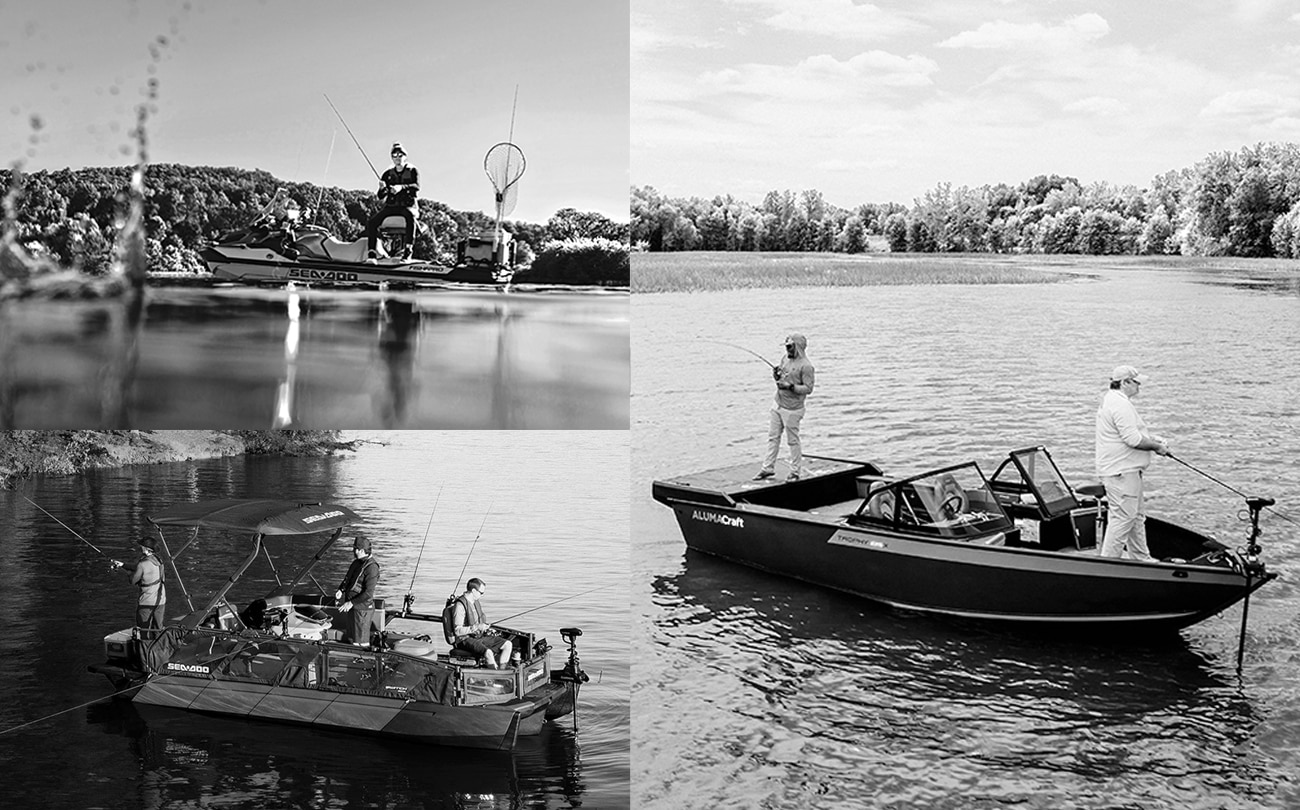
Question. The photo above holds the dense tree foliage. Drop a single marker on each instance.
(72, 215)
(1242, 204)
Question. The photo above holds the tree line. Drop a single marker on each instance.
(72, 216)
(1229, 204)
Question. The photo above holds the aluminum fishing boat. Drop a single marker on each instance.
(1019, 547)
(289, 665)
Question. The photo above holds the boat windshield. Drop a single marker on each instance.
(954, 501)
(1030, 479)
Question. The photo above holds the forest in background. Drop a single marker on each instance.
(71, 216)
(1229, 204)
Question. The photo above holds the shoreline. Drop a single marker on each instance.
(28, 453)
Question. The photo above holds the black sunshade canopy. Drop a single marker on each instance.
(260, 516)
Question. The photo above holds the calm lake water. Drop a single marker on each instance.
(755, 691)
(550, 514)
(234, 356)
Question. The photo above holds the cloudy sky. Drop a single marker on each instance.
(241, 83)
(870, 102)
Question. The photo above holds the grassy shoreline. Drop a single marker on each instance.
(27, 453)
(702, 271)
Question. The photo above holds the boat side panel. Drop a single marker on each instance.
(229, 697)
(359, 712)
(295, 705)
(963, 578)
(175, 692)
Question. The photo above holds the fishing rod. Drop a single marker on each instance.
(456, 587)
(354, 137)
(409, 599)
(69, 528)
(548, 604)
(743, 349)
(1232, 489)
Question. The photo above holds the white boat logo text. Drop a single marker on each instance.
(202, 670)
(714, 517)
(322, 516)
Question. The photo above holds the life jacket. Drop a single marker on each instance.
(350, 582)
(155, 592)
(473, 615)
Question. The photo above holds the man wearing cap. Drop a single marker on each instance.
(398, 188)
(794, 382)
(357, 593)
(472, 627)
(1124, 450)
(148, 577)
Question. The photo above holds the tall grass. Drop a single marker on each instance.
(704, 271)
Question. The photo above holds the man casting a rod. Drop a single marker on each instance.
(1124, 450)
(794, 382)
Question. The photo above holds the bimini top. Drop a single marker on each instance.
(260, 516)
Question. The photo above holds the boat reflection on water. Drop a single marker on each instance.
(272, 766)
(811, 651)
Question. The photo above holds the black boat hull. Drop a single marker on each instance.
(260, 265)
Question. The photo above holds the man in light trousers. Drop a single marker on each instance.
(1124, 448)
(794, 382)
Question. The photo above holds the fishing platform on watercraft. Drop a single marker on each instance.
(289, 664)
(1019, 547)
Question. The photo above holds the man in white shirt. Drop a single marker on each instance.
(1124, 450)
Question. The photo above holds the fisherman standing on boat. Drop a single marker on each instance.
(358, 588)
(397, 191)
(148, 576)
(794, 382)
(1124, 450)
(471, 627)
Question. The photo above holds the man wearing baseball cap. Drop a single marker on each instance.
(794, 382)
(397, 191)
(357, 593)
(1124, 448)
(151, 606)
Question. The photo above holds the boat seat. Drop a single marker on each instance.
(344, 251)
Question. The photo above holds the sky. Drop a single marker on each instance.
(243, 83)
(877, 102)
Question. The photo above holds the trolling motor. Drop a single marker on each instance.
(572, 671)
(1252, 565)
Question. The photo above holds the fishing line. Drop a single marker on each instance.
(354, 137)
(320, 197)
(109, 696)
(556, 602)
(456, 587)
(64, 525)
(743, 349)
(1229, 488)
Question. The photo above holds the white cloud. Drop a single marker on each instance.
(836, 18)
(1002, 35)
(1097, 107)
(1246, 106)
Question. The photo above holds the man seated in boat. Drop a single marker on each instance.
(471, 627)
(357, 593)
(398, 188)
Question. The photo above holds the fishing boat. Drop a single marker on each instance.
(290, 664)
(1018, 547)
(275, 248)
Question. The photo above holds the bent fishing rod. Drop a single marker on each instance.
(1231, 489)
(115, 563)
(354, 137)
(766, 362)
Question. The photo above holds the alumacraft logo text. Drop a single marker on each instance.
(714, 517)
(175, 667)
(322, 516)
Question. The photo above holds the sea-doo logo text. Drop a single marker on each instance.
(321, 275)
(322, 516)
(173, 666)
(714, 517)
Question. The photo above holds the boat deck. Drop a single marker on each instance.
(738, 479)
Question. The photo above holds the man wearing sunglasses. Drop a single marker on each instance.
(398, 188)
(473, 631)
(1124, 450)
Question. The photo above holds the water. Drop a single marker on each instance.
(233, 356)
(556, 525)
(756, 691)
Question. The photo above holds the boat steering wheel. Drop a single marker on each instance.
(952, 506)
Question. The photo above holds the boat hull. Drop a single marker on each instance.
(496, 726)
(985, 577)
(261, 265)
